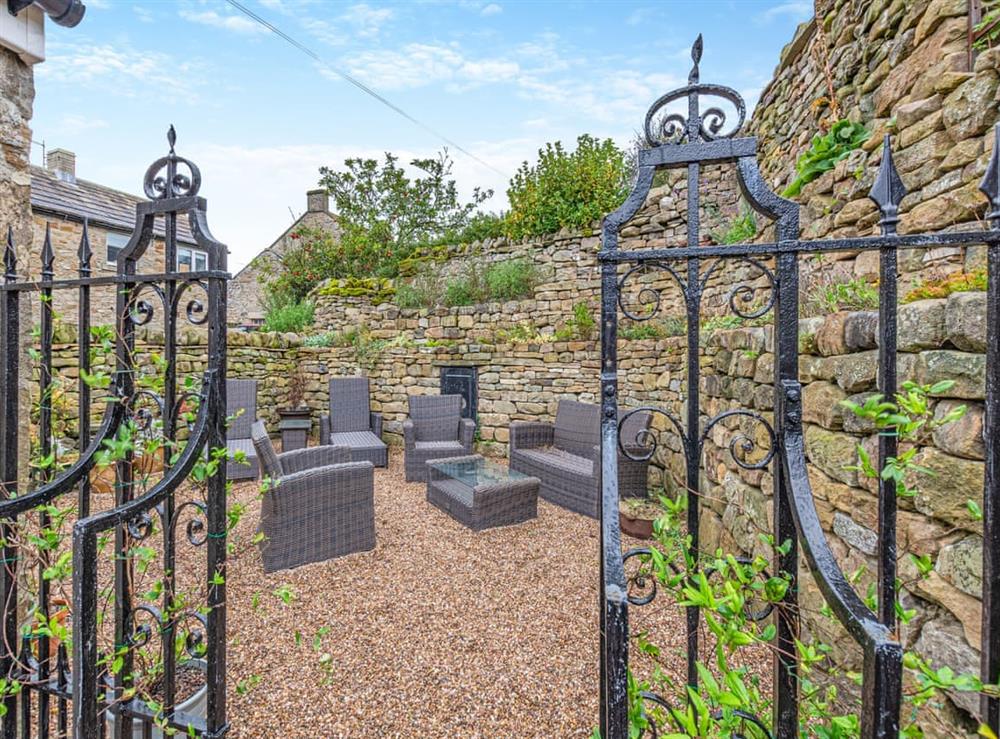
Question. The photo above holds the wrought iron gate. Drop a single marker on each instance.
(691, 140)
(154, 433)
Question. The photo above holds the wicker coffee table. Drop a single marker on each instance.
(481, 493)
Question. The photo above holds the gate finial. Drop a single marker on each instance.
(10, 256)
(48, 256)
(888, 191)
(84, 253)
(990, 185)
(696, 50)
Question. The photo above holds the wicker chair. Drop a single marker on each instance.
(351, 423)
(320, 504)
(565, 456)
(241, 407)
(435, 429)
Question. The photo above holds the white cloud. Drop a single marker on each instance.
(795, 10)
(236, 23)
(142, 13)
(366, 20)
(75, 123)
(491, 9)
(123, 70)
(418, 65)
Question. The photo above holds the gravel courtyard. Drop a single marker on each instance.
(438, 632)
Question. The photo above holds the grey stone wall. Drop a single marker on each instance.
(17, 95)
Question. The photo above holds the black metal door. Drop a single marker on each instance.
(462, 381)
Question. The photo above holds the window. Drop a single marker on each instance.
(191, 260)
(115, 243)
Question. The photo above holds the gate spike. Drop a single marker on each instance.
(696, 58)
(48, 257)
(84, 253)
(10, 256)
(990, 186)
(888, 191)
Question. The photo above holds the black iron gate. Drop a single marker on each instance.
(128, 646)
(690, 139)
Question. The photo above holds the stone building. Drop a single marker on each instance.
(61, 202)
(245, 307)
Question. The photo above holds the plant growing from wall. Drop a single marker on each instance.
(824, 152)
(741, 229)
(567, 189)
(959, 282)
(580, 326)
(987, 30)
(288, 315)
(854, 294)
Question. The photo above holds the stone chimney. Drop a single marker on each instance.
(62, 164)
(317, 201)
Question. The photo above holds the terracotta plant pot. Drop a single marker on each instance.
(637, 528)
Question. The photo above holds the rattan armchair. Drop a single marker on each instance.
(318, 505)
(435, 429)
(241, 408)
(565, 456)
(351, 422)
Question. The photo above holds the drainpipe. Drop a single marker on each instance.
(62, 12)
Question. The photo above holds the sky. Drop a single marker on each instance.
(499, 78)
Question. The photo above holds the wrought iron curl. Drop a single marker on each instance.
(194, 310)
(647, 439)
(163, 180)
(742, 440)
(647, 296)
(745, 292)
(644, 581)
(745, 717)
(139, 634)
(141, 527)
(140, 311)
(142, 414)
(665, 128)
(194, 639)
(196, 530)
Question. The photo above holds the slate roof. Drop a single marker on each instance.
(102, 205)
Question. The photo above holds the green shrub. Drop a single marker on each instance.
(459, 292)
(566, 188)
(580, 326)
(481, 226)
(511, 279)
(824, 152)
(742, 228)
(643, 330)
(856, 294)
(289, 316)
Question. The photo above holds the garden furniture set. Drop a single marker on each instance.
(319, 501)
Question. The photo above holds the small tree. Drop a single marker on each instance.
(385, 213)
(567, 188)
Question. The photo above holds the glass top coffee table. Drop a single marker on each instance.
(481, 493)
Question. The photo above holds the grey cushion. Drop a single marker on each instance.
(559, 459)
(360, 440)
(442, 446)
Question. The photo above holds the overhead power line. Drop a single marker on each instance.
(358, 83)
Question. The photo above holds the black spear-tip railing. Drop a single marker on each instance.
(692, 140)
(86, 680)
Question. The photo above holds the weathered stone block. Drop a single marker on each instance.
(964, 437)
(856, 372)
(966, 369)
(966, 321)
(961, 564)
(921, 325)
(832, 452)
(821, 404)
(945, 492)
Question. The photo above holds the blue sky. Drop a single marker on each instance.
(498, 77)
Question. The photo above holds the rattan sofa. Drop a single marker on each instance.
(351, 422)
(241, 408)
(435, 429)
(565, 456)
(318, 504)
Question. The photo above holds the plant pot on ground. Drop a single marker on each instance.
(191, 697)
(636, 516)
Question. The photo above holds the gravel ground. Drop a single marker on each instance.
(440, 631)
